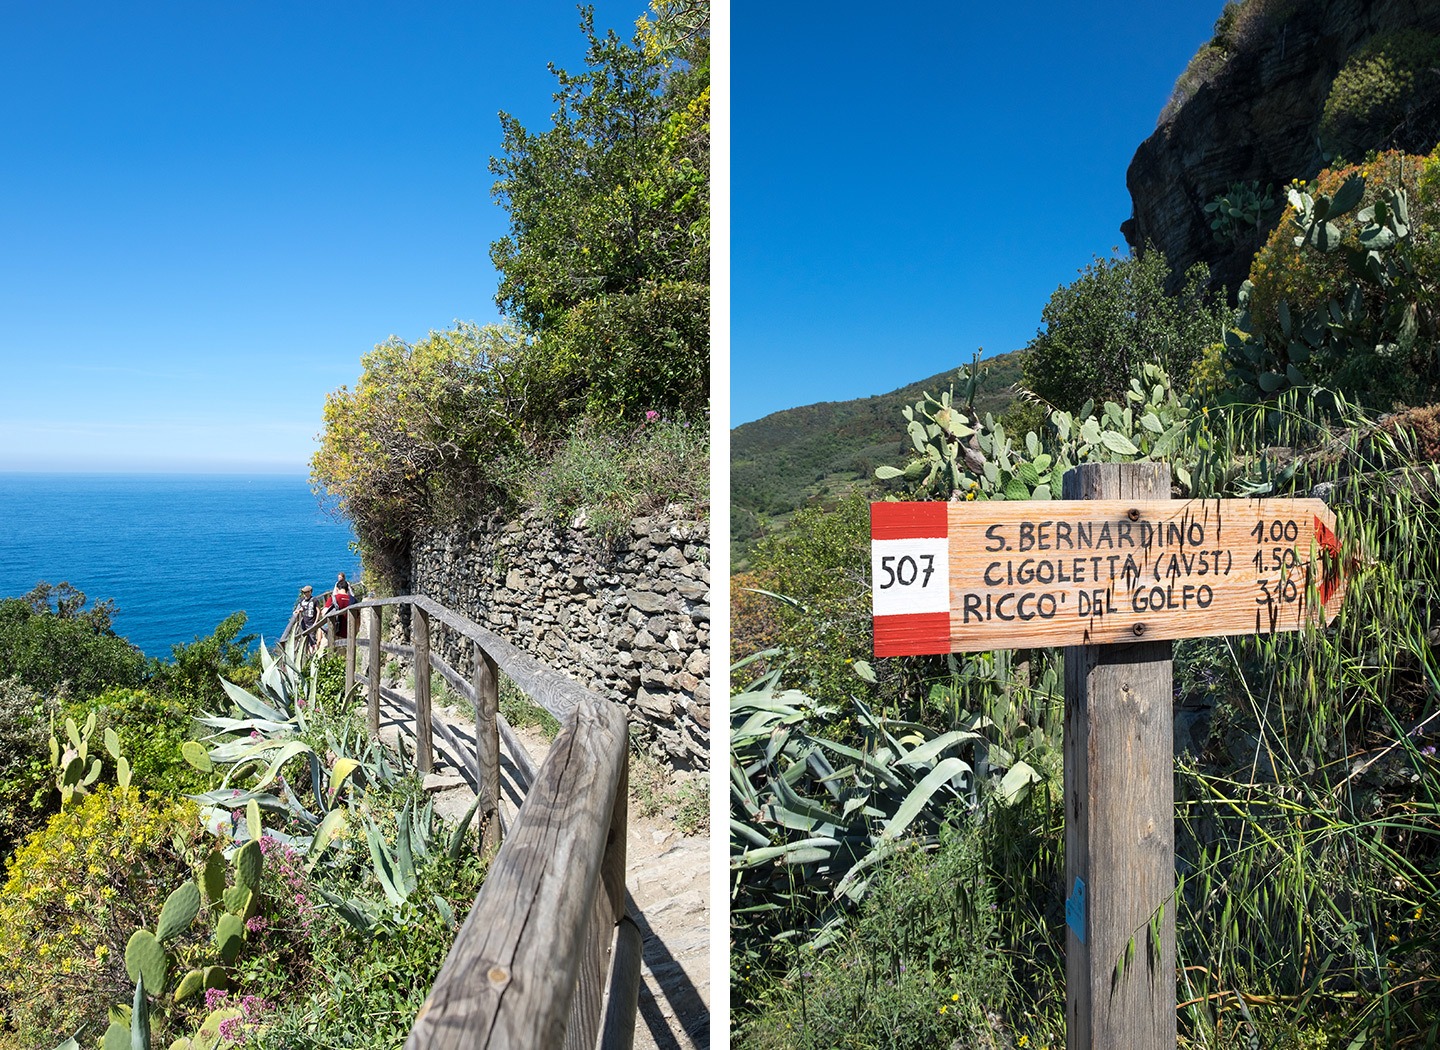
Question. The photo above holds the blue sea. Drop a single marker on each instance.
(177, 552)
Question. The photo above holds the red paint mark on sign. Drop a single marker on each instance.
(912, 634)
(907, 521)
(1329, 544)
(910, 562)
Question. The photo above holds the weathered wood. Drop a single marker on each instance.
(512, 972)
(372, 671)
(486, 684)
(424, 751)
(1017, 574)
(1119, 819)
(513, 744)
(622, 992)
(352, 642)
(609, 907)
(556, 692)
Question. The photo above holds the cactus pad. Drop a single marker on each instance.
(248, 864)
(112, 742)
(190, 985)
(214, 876)
(229, 936)
(179, 912)
(193, 752)
(145, 957)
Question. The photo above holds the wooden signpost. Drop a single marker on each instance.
(1113, 572)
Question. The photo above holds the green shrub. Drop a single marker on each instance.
(27, 783)
(50, 642)
(820, 565)
(1352, 312)
(1113, 318)
(193, 674)
(931, 959)
(615, 477)
(618, 357)
(1387, 82)
(419, 438)
(151, 730)
(75, 892)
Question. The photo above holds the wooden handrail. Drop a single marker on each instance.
(547, 957)
(520, 960)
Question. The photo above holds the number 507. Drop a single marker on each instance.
(906, 569)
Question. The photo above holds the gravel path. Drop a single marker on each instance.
(667, 875)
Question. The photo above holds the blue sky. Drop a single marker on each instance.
(911, 183)
(211, 211)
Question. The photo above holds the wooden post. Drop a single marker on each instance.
(1119, 818)
(372, 669)
(424, 751)
(352, 632)
(487, 748)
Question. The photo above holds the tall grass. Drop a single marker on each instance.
(1307, 822)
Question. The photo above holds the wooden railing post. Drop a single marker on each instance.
(1119, 819)
(373, 672)
(424, 749)
(487, 747)
(352, 636)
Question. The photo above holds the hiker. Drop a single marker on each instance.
(306, 615)
(336, 601)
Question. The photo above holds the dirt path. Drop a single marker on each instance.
(667, 875)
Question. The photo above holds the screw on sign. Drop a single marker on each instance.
(1112, 573)
(964, 577)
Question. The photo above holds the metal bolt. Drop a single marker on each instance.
(1133, 514)
(1139, 629)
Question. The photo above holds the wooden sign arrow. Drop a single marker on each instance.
(963, 577)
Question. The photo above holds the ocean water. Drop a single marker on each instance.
(177, 552)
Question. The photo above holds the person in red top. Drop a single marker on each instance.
(340, 598)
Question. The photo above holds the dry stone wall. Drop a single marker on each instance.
(630, 619)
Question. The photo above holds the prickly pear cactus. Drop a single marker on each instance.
(179, 912)
(146, 957)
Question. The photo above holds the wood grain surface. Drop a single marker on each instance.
(1026, 574)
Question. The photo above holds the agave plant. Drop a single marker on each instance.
(809, 808)
(276, 729)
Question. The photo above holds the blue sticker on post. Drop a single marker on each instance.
(1075, 910)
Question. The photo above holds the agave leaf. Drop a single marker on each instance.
(916, 801)
(251, 704)
(755, 857)
(1016, 782)
(331, 828)
(384, 864)
(927, 751)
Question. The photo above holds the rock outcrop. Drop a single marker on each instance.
(629, 619)
(1257, 118)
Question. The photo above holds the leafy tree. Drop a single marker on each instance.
(50, 642)
(193, 674)
(616, 358)
(426, 431)
(1115, 317)
(616, 192)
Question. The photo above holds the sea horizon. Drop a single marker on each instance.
(177, 551)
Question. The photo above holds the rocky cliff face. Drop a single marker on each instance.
(1258, 118)
(630, 619)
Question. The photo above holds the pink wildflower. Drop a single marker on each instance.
(651, 416)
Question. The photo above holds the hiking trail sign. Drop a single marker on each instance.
(1112, 572)
(963, 577)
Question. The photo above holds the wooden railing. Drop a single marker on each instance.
(548, 956)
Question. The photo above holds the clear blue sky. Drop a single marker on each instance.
(212, 210)
(910, 183)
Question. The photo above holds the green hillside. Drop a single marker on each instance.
(784, 461)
